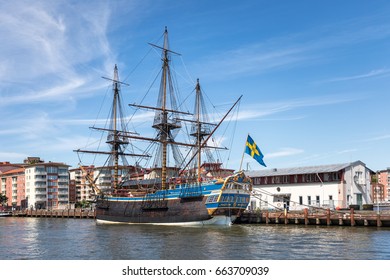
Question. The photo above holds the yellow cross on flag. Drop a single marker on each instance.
(253, 150)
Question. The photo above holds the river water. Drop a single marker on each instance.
(82, 239)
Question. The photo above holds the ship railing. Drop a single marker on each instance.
(191, 191)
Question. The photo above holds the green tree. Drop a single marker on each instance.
(3, 199)
(82, 204)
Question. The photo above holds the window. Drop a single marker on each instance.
(52, 169)
(318, 200)
(52, 184)
(62, 170)
(309, 200)
(39, 170)
(335, 176)
(300, 200)
(326, 177)
(52, 177)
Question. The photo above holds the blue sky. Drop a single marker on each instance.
(315, 75)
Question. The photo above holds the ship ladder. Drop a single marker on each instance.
(153, 202)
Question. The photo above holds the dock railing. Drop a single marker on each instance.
(318, 216)
(59, 213)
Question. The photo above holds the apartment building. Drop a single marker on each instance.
(47, 185)
(86, 179)
(12, 185)
(81, 184)
(381, 185)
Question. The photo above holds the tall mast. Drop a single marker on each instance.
(164, 132)
(117, 132)
(115, 144)
(165, 120)
(117, 127)
(198, 138)
(200, 128)
(203, 144)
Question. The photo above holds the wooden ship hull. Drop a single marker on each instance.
(215, 203)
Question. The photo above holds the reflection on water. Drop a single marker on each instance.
(82, 239)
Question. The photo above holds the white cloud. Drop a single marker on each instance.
(347, 151)
(251, 59)
(12, 157)
(374, 73)
(284, 152)
(378, 138)
(294, 50)
(47, 47)
(253, 111)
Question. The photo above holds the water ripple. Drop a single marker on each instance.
(82, 239)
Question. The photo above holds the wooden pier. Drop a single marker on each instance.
(63, 213)
(325, 217)
(318, 217)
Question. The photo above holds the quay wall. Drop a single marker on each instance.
(319, 217)
(63, 213)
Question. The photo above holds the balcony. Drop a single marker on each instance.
(40, 192)
(40, 178)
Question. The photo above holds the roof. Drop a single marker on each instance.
(13, 171)
(301, 170)
(7, 168)
(59, 164)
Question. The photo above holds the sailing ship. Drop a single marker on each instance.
(191, 193)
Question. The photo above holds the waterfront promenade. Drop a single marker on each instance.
(313, 217)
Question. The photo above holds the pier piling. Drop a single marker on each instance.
(318, 217)
(305, 213)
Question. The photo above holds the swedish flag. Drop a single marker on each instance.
(254, 151)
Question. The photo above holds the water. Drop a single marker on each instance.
(82, 239)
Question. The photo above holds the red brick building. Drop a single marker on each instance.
(12, 184)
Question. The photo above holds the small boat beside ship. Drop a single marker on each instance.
(5, 213)
(3, 210)
(188, 193)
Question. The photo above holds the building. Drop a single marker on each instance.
(35, 184)
(381, 186)
(330, 186)
(47, 185)
(80, 183)
(85, 179)
(215, 170)
(11, 184)
(13, 187)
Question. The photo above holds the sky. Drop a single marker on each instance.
(314, 75)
